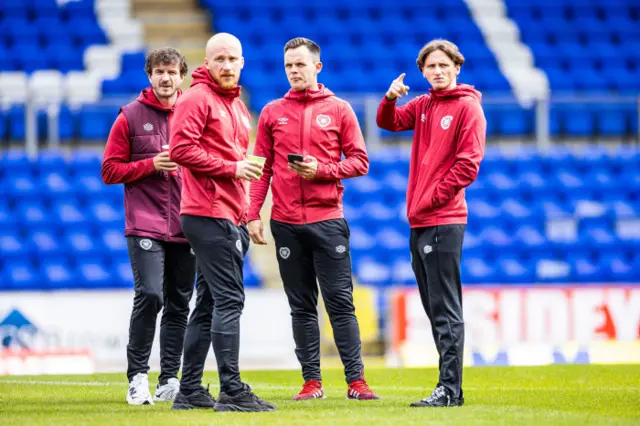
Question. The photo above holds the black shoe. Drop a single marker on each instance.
(440, 397)
(200, 398)
(245, 401)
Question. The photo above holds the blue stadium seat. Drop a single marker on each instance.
(11, 246)
(93, 274)
(43, 244)
(123, 275)
(58, 275)
(22, 276)
(553, 271)
(82, 244)
(104, 214)
(113, 240)
(32, 215)
(371, 272)
(476, 270)
(95, 121)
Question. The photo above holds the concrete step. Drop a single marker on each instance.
(175, 29)
(164, 5)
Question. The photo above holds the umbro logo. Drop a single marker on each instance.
(341, 249)
(427, 249)
(148, 127)
(283, 120)
(223, 114)
(423, 117)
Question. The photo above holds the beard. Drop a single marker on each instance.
(226, 83)
(165, 91)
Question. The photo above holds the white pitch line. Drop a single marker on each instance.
(282, 387)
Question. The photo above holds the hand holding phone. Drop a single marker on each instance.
(295, 157)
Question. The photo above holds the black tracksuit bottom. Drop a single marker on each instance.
(163, 274)
(220, 247)
(308, 254)
(435, 258)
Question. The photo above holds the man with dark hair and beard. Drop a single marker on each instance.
(162, 262)
(210, 140)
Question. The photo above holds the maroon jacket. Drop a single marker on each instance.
(448, 146)
(151, 198)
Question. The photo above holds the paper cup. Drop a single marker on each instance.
(165, 148)
(259, 160)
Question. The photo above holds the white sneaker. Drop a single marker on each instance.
(168, 392)
(138, 393)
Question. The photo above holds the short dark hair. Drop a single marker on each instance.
(294, 43)
(165, 56)
(449, 49)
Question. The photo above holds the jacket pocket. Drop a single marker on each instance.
(424, 197)
(321, 193)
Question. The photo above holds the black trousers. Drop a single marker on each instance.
(435, 258)
(308, 254)
(220, 247)
(163, 276)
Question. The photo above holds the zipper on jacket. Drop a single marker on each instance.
(302, 180)
(169, 181)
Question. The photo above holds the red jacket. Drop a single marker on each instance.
(209, 136)
(151, 198)
(315, 123)
(448, 145)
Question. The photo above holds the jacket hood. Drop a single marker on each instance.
(309, 95)
(461, 90)
(201, 75)
(148, 97)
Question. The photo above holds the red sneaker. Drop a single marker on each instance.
(310, 390)
(359, 389)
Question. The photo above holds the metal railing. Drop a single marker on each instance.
(368, 105)
(365, 105)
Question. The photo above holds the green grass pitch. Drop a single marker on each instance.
(560, 394)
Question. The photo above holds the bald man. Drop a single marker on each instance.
(209, 139)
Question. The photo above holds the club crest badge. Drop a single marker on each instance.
(446, 122)
(145, 244)
(284, 252)
(323, 120)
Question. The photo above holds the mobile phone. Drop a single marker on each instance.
(295, 157)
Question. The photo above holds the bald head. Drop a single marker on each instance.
(223, 40)
(224, 59)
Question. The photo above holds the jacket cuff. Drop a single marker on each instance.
(253, 216)
(321, 173)
(149, 168)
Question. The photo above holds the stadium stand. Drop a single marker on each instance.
(366, 45)
(61, 227)
(561, 216)
(585, 47)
